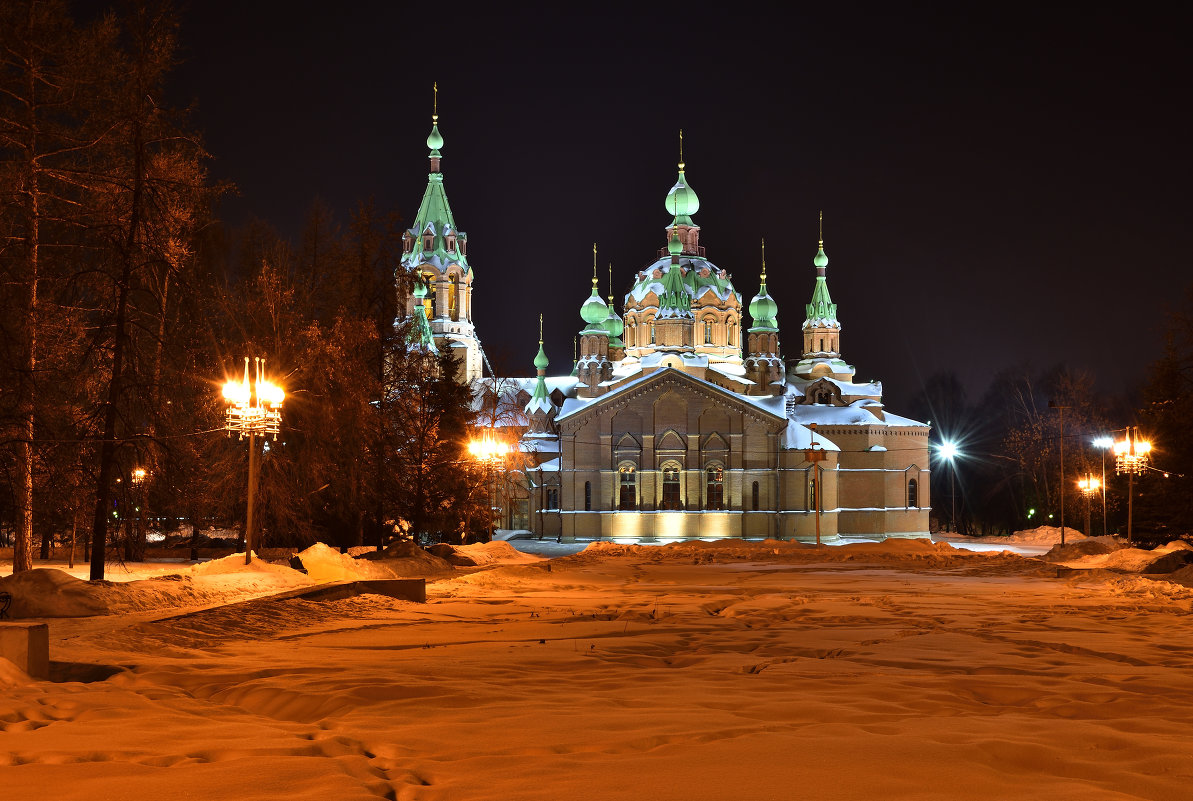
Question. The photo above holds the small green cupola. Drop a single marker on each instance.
(763, 309)
(594, 311)
(682, 201)
(821, 312)
(540, 401)
(435, 139)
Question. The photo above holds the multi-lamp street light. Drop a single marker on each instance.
(254, 410)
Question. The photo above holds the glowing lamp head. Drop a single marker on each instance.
(270, 394)
(237, 392)
(1103, 442)
(948, 450)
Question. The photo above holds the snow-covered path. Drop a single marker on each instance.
(884, 671)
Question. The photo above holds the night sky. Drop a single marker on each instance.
(1001, 185)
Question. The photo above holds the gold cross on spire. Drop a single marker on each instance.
(435, 102)
(681, 149)
(822, 230)
(540, 329)
(764, 259)
(594, 259)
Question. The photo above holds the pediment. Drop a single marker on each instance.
(715, 442)
(627, 442)
(671, 441)
(694, 390)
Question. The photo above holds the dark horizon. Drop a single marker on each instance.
(1000, 185)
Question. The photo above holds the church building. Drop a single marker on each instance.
(674, 425)
(682, 417)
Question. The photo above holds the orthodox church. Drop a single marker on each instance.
(671, 424)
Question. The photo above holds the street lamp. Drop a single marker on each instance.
(137, 479)
(254, 410)
(1088, 486)
(489, 451)
(949, 452)
(1131, 455)
(1103, 444)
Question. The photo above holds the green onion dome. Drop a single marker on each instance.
(681, 200)
(594, 311)
(821, 260)
(763, 308)
(540, 361)
(420, 289)
(613, 324)
(435, 139)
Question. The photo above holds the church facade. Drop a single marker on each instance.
(674, 424)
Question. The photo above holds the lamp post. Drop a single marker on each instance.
(949, 452)
(1103, 444)
(254, 410)
(1131, 457)
(1088, 486)
(137, 479)
(1061, 408)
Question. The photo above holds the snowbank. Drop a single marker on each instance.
(1165, 559)
(1043, 535)
(483, 554)
(46, 592)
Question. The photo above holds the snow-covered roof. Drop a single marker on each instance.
(799, 437)
(539, 444)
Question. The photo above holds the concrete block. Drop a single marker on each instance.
(27, 645)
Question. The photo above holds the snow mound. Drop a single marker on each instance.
(924, 551)
(1166, 559)
(324, 563)
(1043, 535)
(405, 559)
(1085, 547)
(12, 676)
(234, 563)
(46, 592)
(482, 554)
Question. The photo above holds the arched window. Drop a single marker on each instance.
(754, 496)
(627, 493)
(732, 335)
(428, 242)
(813, 498)
(671, 495)
(453, 292)
(552, 498)
(588, 496)
(715, 496)
(652, 333)
(913, 493)
(708, 332)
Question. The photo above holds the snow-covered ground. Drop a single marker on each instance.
(902, 669)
